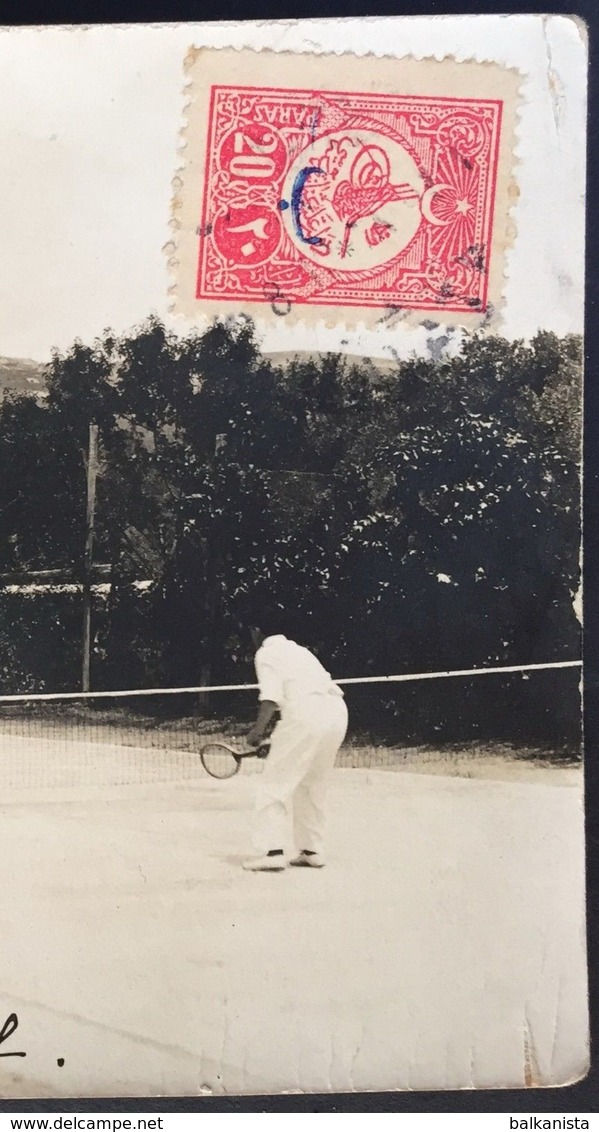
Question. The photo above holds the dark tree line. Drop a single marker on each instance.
(417, 519)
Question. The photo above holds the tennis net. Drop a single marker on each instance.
(147, 736)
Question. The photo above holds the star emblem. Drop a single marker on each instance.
(463, 206)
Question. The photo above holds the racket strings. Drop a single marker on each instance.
(220, 760)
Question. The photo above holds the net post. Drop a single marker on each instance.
(92, 472)
(212, 562)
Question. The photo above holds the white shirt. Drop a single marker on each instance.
(287, 672)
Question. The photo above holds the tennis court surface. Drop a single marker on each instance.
(443, 945)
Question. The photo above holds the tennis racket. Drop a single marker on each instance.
(222, 761)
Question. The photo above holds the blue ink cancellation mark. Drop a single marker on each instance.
(296, 204)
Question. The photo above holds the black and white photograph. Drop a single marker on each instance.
(290, 609)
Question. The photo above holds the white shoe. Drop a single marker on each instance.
(308, 860)
(265, 864)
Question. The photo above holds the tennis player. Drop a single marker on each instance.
(291, 792)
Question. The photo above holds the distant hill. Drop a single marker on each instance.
(22, 376)
(380, 365)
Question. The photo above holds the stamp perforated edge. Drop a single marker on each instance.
(421, 75)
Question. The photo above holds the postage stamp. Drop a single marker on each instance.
(355, 203)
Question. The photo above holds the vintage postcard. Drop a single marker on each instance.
(290, 540)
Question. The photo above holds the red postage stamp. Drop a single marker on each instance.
(379, 200)
(352, 199)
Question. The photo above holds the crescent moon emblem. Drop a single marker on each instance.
(427, 200)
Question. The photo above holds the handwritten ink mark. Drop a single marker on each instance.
(488, 311)
(477, 251)
(279, 305)
(281, 311)
(392, 315)
(296, 204)
(60, 1062)
(8, 1029)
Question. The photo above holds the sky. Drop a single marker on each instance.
(89, 147)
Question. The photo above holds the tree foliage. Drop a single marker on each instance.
(424, 518)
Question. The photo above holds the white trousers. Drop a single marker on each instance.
(291, 792)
